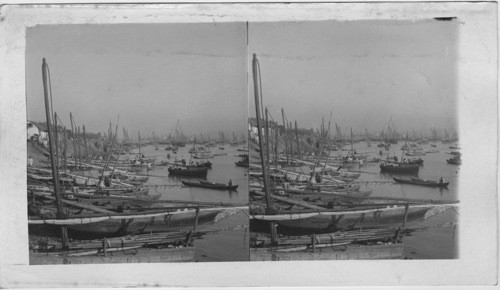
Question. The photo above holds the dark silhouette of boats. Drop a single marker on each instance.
(424, 182)
(211, 185)
(188, 171)
(399, 167)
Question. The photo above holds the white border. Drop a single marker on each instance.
(477, 94)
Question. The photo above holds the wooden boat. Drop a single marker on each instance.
(206, 164)
(211, 185)
(123, 191)
(93, 225)
(398, 167)
(369, 218)
(242, 163)
(188, 171)
(333, 251)
(424, 182)
(418, 161)
(203, 155)
(142, 254)
(455, 160)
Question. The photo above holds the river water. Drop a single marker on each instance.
(434, 243)
(229, 242)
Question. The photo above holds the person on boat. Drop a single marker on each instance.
(318, 178)
(30, 161)
(441, 180)
(107, 181)
(230, 183)
(183, 161)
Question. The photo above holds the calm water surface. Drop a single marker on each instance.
(439, 243)
(229, 240)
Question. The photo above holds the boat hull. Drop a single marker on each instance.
(165, 223)
(421, 182)
(210, 186)
(343, 252)
(399, 168)
(381, 219)
(184, 254)
(192, 171)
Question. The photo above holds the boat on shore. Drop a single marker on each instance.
(424, 182)
(376, 217)
(147, 248)
(106, 224)
(211, 185)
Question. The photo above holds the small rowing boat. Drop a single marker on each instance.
(211, 185)
(188, 171)
(424, 182)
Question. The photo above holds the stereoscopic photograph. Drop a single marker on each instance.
(248, 144)
(135, 137)
(353, 142)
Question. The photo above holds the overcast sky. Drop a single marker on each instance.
(150, 74)
(365, 71)
(155, 74)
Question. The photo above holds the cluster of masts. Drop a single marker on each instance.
(346, 135)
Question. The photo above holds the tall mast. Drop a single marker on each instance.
(139, 138)
(297, 136)
(73, 134)
(256, 85)
(284, 130)
(85, 142)
(55, 173)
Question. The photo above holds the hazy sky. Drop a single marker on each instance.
(150, 74)
(365, 71)
(154, 74)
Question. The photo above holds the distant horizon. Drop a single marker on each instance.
(153, 76)
(363, 73)
(150, 75)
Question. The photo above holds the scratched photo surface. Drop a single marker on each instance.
(149, 127)
(362, 151)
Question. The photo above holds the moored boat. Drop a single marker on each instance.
(151, 221)
(456, 160)
(399, 167)
(424, 182)
(188, 171)
(351, 219)
(211, 185)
